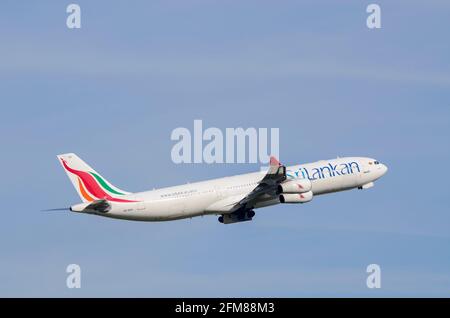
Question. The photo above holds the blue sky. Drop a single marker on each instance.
(114, 90)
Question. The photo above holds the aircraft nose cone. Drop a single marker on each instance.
(384, 169)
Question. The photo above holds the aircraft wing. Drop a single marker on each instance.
(267, 187)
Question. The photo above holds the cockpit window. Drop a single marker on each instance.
(377, 162)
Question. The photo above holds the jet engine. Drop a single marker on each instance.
(295, 186)
(296, 197)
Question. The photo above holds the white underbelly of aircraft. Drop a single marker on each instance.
(334, 184)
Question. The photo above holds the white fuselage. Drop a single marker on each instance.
(218, 195)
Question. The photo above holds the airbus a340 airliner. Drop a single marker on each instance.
(232, 198)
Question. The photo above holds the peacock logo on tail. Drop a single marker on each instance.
(93, 187)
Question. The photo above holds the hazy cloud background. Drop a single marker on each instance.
(114, 90)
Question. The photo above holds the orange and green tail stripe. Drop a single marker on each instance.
(93, 187)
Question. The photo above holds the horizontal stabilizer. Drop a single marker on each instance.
(98, 206)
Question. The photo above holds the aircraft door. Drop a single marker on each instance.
(219, 192)
(139, 205)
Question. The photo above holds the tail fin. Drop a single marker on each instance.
(89, 184)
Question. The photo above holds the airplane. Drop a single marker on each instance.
(233, 199)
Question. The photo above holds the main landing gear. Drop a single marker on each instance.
(238, 216)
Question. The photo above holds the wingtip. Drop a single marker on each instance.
(274, 161)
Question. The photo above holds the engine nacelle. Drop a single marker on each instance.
(296, 197)
(295, 186)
